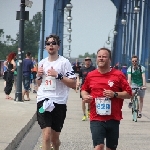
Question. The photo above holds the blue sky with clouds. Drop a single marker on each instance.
(91, 24)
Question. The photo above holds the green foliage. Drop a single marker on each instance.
(31, 38)
(87, 55)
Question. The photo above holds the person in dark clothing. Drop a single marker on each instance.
(76, 69)
(10, 74)
(27, 68)
(82, 75)
(5, 67)
(124, 69)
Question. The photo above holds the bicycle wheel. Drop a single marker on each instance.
(135, 109)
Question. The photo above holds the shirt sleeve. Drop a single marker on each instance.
(32, 66)
(80, 73)
(129, 70)
(143, 69)
(86, 85)
(68, 70)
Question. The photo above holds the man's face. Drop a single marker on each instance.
(52, 46)
(103, 60)
(87, 62)
(134, 61)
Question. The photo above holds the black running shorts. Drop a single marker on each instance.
(54, 119)
(105, 129)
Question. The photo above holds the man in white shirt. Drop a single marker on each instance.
(54, 78)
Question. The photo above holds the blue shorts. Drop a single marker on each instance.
(105, 129)
(26, 82)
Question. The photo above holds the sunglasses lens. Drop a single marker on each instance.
(134, 61)
(49, 43)
(53, 43)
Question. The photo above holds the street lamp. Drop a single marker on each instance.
(69, 40)
(114, 33)
(136, 8)
(124, 21)
(68, 8)
(22, 15)
(43, 31)
(28, 3)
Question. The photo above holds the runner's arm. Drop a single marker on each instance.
(124, 95)
(84, 93)
(70, 82)
(129, 79)
(144, 79)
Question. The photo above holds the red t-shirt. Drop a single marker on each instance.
(95, 83)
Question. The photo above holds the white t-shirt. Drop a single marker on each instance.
(60, 94)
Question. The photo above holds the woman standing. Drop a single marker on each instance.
(5, 71)
(10, 74)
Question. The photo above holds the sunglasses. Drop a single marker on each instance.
(134, 61)
(49, 43)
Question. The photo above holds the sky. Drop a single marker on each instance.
(92, 22)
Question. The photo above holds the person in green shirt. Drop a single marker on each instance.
(136, 78)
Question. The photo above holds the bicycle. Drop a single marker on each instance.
(135, 103)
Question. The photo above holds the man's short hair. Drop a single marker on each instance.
(28, 54)
(108, 50)
(55, 37)
(134, 56)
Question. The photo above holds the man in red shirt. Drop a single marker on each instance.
(105, 88)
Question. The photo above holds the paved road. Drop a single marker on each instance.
(76, 133)
(15, 118)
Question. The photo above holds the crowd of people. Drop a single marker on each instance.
(29, 71)
(102, 87)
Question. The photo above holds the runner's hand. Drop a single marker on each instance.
(87, 98)
(52, 72)
(40, 71)
(144, 87)
(108, 93)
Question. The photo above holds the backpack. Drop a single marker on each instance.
(139, 68)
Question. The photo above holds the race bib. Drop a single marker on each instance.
(50, 83)
(103, 106)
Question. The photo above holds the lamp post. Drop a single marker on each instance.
(136, 11)
(123, 21)
(68, 8)
(43, 31)
(109, 41)
(22, 16)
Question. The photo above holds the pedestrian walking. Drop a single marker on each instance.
(105, 88)
(76, 69)
(82, 75)
(27, 69)
(54, 78)
(34, 72)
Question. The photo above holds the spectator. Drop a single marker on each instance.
(27, 68)
(76, 69)
(124, 69)
(5, 67)
(10, 74)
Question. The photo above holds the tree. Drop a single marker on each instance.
(87, 55)
(31, 38)
(32, 34)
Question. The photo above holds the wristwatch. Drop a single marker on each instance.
(115, 94)
(39, 77)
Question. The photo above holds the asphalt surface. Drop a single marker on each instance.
(17, 119)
